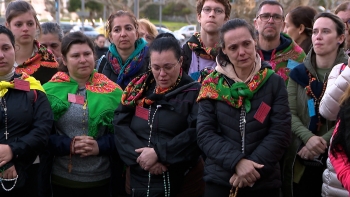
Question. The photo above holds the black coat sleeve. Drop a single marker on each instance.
(106, 144)
(187, 58)
(38, 136)
(59, 145)
(126, 140)
(272, 147)
(214, 146)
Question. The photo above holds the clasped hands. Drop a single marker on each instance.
(246, 173)
(148, 160)
(85, 146)
(315, 146)
(6, 156)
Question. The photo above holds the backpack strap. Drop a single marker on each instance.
(100, 64)
(32, 95)
(342, 68)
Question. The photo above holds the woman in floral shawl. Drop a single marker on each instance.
(31, 57)
(128, 53)
(83, 102)
(243, 123)
(155, 127)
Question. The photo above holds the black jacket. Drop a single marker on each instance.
(44, 74)
(187, 57)
(220, 139)
(173, 137)
(100, 51)
(29, 122)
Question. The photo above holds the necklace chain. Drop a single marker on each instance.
(84, 110)
(150, 122)
(317, 100)
(14, 184)
(198, 62)
(4, 107)
(242, 122)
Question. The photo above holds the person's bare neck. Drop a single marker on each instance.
(209, 40)
(244, 73)
(125, 54)
(23, 52)
(268, 45)
(81, 81)
(326, 61)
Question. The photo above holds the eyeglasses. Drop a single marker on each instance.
(167, 69)
(217, 11)
(266, 17)
(146, 36)
(347, 23)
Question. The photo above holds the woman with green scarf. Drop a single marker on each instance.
(83, 102)
(128, 53)
(155, 127)
(244, 123)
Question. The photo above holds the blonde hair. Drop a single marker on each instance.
(345, 96)
(150, 28)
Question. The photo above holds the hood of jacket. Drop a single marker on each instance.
(310, 60)
(228, 68)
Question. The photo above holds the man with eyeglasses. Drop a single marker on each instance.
(274, 46)
(201, 49)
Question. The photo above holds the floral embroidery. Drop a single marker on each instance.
(131, 67)
(28, 69)
(283, 73)
(98, 83)
(133, 93)
(215, 87)
(196, 44)
(24, 76)
(60, 77)
(279, 59)
(209, 92)
(41, 58)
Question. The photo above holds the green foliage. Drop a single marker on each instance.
(186, 11)
(170, 24)
(75, 5)
(152, 12)
(94, 6)
(322, 3)
(176, 9)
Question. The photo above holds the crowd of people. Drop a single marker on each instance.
(240, 109)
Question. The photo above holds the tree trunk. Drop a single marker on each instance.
(188, 20)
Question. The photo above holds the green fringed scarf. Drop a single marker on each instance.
(103, 97)
(215, 87)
